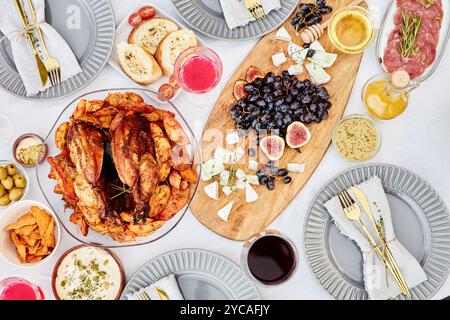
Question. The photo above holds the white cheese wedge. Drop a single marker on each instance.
(232, 138)
(224, 177)
(227, 190)
(212, 190)
(253, 165)
(295, 69)
(278, 59)
(317, 73)
(296, 167)
(323, 59)
(222, 155)
(240, 184)
(297, 53)
(250, 194)
(253, 179)
(224, 213)
(212, 168)
(316, 46)
(205, 176)
(283, 35)
(240, 174)
(237, 155)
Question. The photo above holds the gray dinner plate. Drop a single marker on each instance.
(421, 222)
(92, 44)
(201, 275)
(206, 16)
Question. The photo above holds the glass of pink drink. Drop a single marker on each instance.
(19, 289)
(198, 70)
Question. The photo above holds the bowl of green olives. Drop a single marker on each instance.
(14, 183)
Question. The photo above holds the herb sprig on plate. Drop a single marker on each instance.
(410, 31)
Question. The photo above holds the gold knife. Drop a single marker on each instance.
(366, 206)
(41, 67)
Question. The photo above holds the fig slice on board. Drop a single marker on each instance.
(273, 147)
(253, 73)
(298, 135)
(239, 91)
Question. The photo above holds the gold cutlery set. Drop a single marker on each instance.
(50, 68)
(353, 212)
(256, 8)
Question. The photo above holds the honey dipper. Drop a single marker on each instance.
(314, 32)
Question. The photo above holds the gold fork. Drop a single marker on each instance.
(353, 212)
(365, 205)
(256, 8)
(41, 67)
(51, 63)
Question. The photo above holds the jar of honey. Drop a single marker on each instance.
(386, 96)
(351, 29)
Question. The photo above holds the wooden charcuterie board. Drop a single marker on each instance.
(247, 219)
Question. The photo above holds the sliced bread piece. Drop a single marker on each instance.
(172, 46)
(150, 33)
(138, 64)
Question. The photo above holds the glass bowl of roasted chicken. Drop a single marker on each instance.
(122, 169)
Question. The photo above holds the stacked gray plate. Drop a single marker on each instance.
(201, 275)
(421, 222)
(206, 16)
(92, 44)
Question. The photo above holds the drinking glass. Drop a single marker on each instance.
(199, 70)
(8, 284)
(286, 241)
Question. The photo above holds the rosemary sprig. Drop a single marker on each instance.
(123, 190)
(410, 31)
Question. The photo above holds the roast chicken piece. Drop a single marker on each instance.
(148, 179)
(85, 145)
(92, 202)
(63, 171)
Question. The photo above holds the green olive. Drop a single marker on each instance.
(11, 168)
(8, 183)
(20, 181)
(2, 191)
(4, 201)
(15, 194)
(3, 173)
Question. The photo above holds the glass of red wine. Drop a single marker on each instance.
(269, 257)
(198, 70)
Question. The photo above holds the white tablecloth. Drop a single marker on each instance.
(418, 140)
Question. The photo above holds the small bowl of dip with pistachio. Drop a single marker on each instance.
(29, 149)
(88, 273)
(356, 138)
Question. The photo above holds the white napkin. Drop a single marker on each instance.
(374, 269)
(11, 25)
(237, 15)
(168, 284)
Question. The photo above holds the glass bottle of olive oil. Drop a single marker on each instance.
(386, 96)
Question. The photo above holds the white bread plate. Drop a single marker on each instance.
(10, 216)
(123, 32)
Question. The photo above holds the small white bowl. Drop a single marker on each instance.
(11, 215)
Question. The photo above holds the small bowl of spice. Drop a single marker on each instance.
(356, 138)
(28, 148)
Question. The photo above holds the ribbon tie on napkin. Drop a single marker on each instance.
(378, 286)
(164, 289)
(11, 25)
(237, 15)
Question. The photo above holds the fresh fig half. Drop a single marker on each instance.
(298, 135)
(273, 147)
(253, 73)
(239, 91)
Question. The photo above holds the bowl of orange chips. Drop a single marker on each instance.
(29, 233)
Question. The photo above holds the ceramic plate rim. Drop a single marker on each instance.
(335, 270)
(205, 251)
